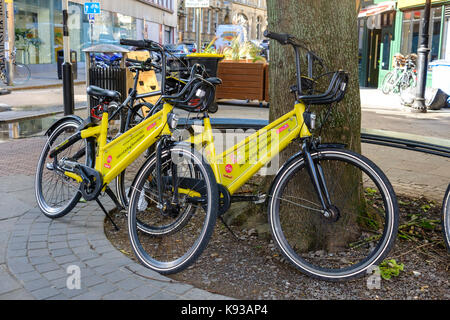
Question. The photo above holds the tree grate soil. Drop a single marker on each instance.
(251, 267)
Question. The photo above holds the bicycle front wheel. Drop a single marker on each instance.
(359, 233)
(446, 217)
(388, 82)
(168, 237)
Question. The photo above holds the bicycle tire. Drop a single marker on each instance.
(52, 208)
(21, 73)
(387, 85)
(446, 218)
(409, 83)
(125, 179)
(304, 242)
(173, 251)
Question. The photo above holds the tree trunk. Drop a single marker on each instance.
(330, 30)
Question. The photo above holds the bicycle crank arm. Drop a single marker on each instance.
(91, 182)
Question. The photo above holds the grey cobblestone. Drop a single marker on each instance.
(37, 284)
(42, 268)
(55, 274)
(37, 251)
(45, 293)
(129, 283)
(145, 291)
(104, 288)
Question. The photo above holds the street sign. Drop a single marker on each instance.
(197, 3)
(91, 18)
(92, 8)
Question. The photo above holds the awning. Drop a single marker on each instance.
(404, 4)
(377, 9)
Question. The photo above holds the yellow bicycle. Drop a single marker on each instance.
(321, 225)
(79, 160)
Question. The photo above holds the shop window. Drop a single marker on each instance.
(412, 22)
(35, 31)
(446, 36)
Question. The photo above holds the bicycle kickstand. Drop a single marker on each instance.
(228, 228)
(113, 197)
(106, 213)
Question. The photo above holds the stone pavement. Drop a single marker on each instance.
(36, 251)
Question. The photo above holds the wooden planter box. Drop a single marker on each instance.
(266, 83)
(241, 80)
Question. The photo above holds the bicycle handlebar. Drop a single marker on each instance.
(285, 38)
(144, 44)
(282, 38)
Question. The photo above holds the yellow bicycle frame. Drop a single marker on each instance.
(239, 163)
(114, 157)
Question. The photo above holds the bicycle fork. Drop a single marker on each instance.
(317, 176)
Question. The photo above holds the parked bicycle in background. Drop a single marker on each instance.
(20, 72)
(403, 76)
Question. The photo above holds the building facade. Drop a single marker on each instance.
(252, 14)
(390, 27)
(39, 33)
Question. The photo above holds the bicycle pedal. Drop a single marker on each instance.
(260, 198)
(50, 166)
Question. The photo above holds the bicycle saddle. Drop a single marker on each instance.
(99, 92)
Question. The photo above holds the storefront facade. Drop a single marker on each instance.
(39, 34)
(398, 32)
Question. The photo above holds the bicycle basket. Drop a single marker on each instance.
(196, 98)
(335, 92)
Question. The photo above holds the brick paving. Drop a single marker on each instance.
(38, 254)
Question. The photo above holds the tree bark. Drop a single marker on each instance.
(330, 29)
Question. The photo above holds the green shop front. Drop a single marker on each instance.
(390, 27)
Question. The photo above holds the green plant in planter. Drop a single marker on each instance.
(244, 51)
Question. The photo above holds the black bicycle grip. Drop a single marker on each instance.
(134, 61)
(134, 43)
(282, 38)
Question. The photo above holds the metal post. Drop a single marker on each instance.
(67, 73)
(11, 39)
(422, 61)
(198, 26)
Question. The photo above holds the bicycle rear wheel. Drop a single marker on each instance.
(446, 217)
(57, 194)
(169, 238)
(21, 73)
(408, 82)
(359, 233)
(126, 177)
